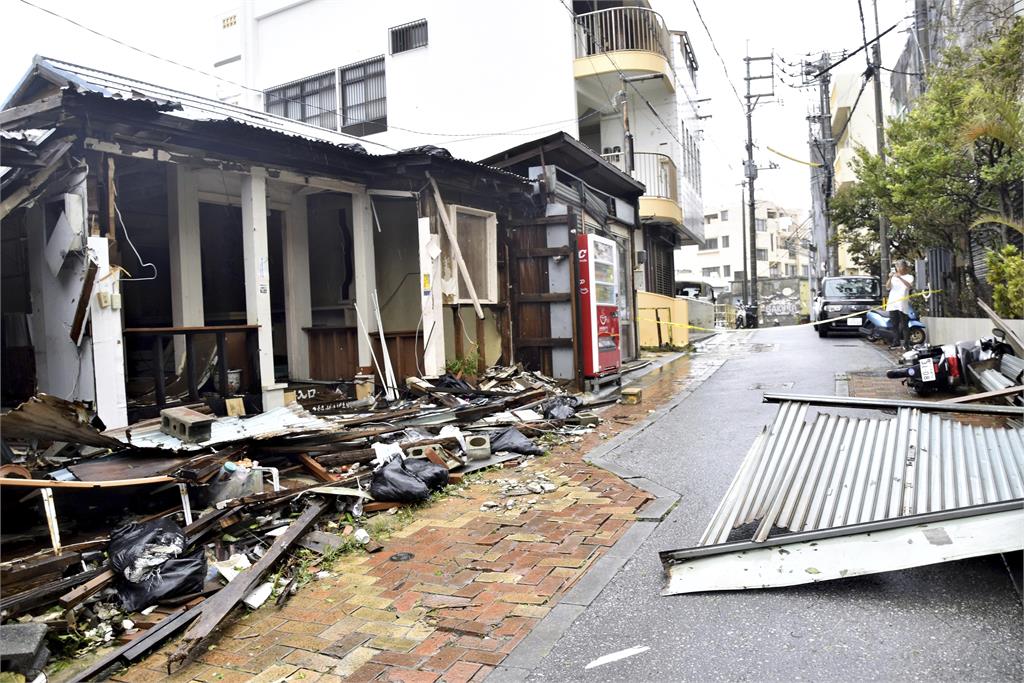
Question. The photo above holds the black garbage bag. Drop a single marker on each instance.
(561, 407)
(433, 475)
(393, 483)
(136, 550)
(450, 381)
(177, 576)
(512, 440)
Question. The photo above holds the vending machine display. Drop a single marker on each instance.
(599, 280)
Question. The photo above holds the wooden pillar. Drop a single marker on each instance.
(298, 307)
(365, 274)
(185, 252)
(430, 300)
(107, 339)
(257, 279)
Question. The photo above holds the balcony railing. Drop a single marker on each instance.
(621, 28)
(656, 171)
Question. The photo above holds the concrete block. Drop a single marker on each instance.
(632, 396)
(186, 424)
(22, 648)
(478, 446)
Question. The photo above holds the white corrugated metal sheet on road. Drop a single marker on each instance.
(838, 488)
(838, 470)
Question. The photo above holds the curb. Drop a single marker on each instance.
(541, 640)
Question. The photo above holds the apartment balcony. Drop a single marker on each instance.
(630, 41)
(660, 202)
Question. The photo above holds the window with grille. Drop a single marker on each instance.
(761, 225)
(725, 241)
(709, 244)
(312, 100)
(725, 215)
(363, 98)
(726, 271)
(409, 36)
(762, 254)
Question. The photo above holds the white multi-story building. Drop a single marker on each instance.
(781, 248)
(479, 77)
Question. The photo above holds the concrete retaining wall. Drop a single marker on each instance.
(672, 312)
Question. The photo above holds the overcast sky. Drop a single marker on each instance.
(791, 28)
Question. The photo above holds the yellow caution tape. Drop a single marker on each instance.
(925, 293)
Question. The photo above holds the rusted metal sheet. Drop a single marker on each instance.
(49, 418)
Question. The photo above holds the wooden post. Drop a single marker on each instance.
(481, 350)
(456, 252)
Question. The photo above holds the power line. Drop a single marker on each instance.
(456, 137)
(862, 47)
(720, 59)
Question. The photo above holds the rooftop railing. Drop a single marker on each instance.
(621, 28)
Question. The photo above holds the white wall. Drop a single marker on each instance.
(488, 67)
(949, 330)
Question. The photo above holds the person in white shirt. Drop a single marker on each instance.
(901, 282)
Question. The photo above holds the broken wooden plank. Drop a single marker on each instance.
(54, 484)
(81, 593)
(316, 469)
(214, 609)
(44, 595)
(984, 396)
(380, 505)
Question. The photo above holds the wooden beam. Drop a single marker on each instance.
(453, 240)
(112, 483)
(8, 116)
(543, 252)
(997, 393)
(77, 595)
(316, 469)
(217, 607)
(545, 298)
(24, 192)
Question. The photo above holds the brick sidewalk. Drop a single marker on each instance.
(477, 584)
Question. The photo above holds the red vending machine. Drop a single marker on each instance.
(599, 280)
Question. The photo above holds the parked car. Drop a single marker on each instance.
(841, 296)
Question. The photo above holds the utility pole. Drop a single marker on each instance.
(876, 74)
(750, 169)
(743, 236)
(823, 152)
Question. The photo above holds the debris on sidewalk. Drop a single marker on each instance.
(132, 536)
(843, 496)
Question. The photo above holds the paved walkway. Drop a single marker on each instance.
(477, 584)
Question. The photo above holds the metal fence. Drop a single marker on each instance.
(656, 171)
(621, 28)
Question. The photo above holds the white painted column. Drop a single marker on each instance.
(185, 252)
(365, 272)
(431, 302)
(255, 255)
(298, 307)
(107, 339)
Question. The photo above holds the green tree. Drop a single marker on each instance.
(954, 158)
(1006, 275)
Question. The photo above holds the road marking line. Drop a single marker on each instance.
(616, 656)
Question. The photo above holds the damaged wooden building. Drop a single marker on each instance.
(159, 246)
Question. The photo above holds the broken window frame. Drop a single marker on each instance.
(486, 291)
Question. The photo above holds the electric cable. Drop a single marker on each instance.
(128, 239)
(720, 58)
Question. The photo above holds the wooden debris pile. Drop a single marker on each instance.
(243, 501)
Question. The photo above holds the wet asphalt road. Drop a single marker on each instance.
(954, 621)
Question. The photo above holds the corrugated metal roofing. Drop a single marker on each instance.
(837, 470)
(197, 108)
(289, 419)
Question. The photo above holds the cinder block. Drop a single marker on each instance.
(186, 424)
(632, 396)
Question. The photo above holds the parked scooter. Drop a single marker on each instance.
(746, 316)
(928, 369)
(878, 325)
